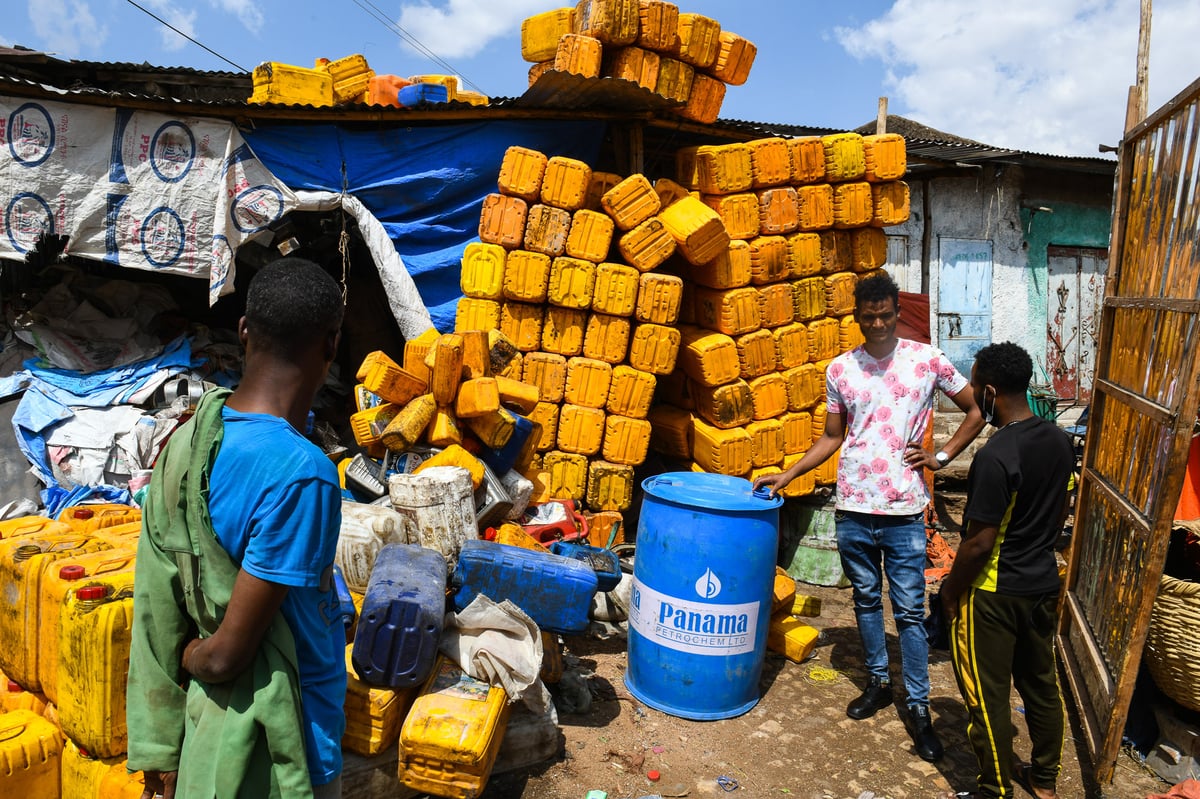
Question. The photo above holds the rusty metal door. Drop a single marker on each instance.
(1075, 280)
(1143, 406)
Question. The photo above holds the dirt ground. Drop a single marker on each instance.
(797, 741)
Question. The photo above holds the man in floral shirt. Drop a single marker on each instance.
(879, 398)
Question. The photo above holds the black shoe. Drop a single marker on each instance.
(928, 746)
(877, 696)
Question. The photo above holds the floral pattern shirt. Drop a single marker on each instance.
(888, 402)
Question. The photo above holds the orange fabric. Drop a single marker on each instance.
(1189, 498)
(1188, 789)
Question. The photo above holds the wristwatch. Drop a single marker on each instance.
(942, 457)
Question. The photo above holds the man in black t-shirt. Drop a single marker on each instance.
(1001, 595)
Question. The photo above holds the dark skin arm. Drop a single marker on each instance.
(227, 652)
(821, 450)
(973, 553)
(915, 454)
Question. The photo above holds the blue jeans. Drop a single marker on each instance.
(864, 539)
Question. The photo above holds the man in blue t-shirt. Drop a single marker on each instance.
(274, 507)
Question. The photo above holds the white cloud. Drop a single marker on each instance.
(184, 21)
(65, 27)
(247, 12)
(1047, 77)
(463, 27)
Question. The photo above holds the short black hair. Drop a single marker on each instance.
(1006, 366)
(876, 288)
(290, 303)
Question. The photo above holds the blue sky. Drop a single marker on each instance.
(1049, 77)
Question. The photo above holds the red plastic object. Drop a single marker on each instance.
(92, 592)
(573, 527)
(653, 775)
(83, 513)
(72, 572)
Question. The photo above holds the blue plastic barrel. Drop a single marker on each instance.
(702, 581)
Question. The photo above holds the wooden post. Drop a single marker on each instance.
(1143, 62)
(881, 118)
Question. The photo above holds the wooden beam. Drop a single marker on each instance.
(881, 118)
(1143, 62)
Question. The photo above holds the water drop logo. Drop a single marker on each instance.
(708, 586)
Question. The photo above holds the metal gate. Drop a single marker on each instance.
(1144, 402)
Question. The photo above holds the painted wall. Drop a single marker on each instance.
(987, 204)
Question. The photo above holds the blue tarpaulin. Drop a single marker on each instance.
(424, 184)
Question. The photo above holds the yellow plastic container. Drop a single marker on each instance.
(803, 385)
(120, 536)
(450, 737)
(580, 429)
(590, 237)
(545, 415)
(445, 362)
(566, 474)
(793, 639)
(852, 204)
(769, 260)
(94, 636)
(797, 432)
(368, 425)
(778, 210)
(572, 283)
(769, 396)
(626, 440)
(391, 383)
(776, 305)
(373, 715)
(727, 451)
(783, 592)
(850, 334)
(416, 349)
(24, 563)
(636, 65)
(31, 525)
(707, 357)
(808, 299)
(30, 756)
(835, 250)
(87, 519)
(82, 773)
(890, 203)
(654, 348)
(647, 245)
(659, 21)
(588, 382)
(118, 783)
(600, 183)
(455, 455)
(111, 567)
(14, 697)
(704, 101)
(606, 338)
(615, 290)
(732, 312)
(868, 249)
(291, 85)
(630, 392)
(735, 57)
(502, 220)
(675, 79)
(839, 294)
(515, 536)
(808, 159)
(671, 431)
(729, 270)
(723, 168)
(565, 184)
(823, 337)
(541, 32)
(845, 158)
(791, 345)
(522, 322)
(727, 406)
(698, 40)
(563, 330)
(449, 81)
(547, 371)
(472, 314)
(546, 229)
(766, 442)
(409, 424)
(609, 486)
(515, 393)
(802, 486)
(659, 297)
(805, 605)
(884, 156)
(521, 169)
(770, 161)
(756, 354)
(738, 212)
(477, 354)
(613, 22)
(631, 202)
(526, 276)
(351, 77)
(814, 206)
(804, 254)
(552, 657)
(444, 430)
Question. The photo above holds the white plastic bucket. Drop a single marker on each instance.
(438, 505)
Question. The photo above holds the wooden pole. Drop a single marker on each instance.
(881, 119)
(1143, 62)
